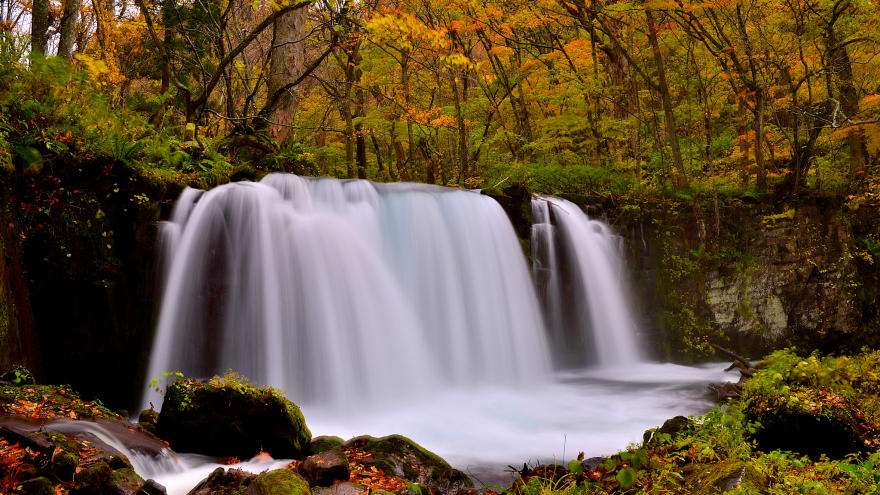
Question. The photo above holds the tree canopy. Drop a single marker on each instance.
(565, 96)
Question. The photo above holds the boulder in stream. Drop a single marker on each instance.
(399, 456)
(237, 482)
(325, 468)
(225, 418)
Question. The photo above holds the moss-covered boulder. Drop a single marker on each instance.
(400, 456)
(238, 482)
(727, 475)
(147, 420)
(225, 418)
(324, 443)
(36, 486)
(810, 422)
(18, 376)
(278, 482)
(671, 427)
(223, 482)
(100, 478)
(64, 465)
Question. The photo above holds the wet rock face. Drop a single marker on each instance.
(800, 280)
(231, 421)
(763, 277)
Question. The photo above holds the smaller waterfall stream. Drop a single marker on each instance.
(582, 283)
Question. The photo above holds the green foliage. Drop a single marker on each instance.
(19, 376)
(159, 384)
(704, 458)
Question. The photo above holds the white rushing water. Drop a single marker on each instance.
(404, 308)
(347, 290)
(586, 302)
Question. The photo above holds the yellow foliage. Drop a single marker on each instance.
(95, 68)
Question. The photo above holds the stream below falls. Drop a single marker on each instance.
(482, 431)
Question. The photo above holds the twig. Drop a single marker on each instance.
(502, 181)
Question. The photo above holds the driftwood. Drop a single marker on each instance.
(732, 355)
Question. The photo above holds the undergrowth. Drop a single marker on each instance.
(718, 452)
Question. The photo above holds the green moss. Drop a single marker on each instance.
(229, 418)
(64, 463)
(125, 480)
(398, 455)
(94, 476)
(325, 443)
(728, 475)
(279, 482)
(37, 486)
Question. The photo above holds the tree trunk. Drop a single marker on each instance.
(744, 145)
(839, 61)
(345, 111)
(40, 26)
(360, 141)
(285, 64)
(378, 151)
(761, 172)
(463, 148)
(67, 33)
(680, 177)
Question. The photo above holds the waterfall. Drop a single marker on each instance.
(346, 290)
(406, 308)
(581, 281)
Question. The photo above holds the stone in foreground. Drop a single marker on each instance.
(225, 418)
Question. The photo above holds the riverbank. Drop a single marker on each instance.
(793, 423)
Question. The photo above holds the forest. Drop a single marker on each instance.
(247, 245)
(566, 97)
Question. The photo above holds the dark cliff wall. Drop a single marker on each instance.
(753, 277)
(17, 340)
(88, 238)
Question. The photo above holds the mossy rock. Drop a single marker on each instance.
(325, 443)
(18, 376)
(223, 482)
(92, 479)
(325, 468)
(278, 482)
(238, 482)
(344, 488)
(726, 476)
(64, 465)
(36, 486)
(672, 427)
(147, 420)
(808, 422)
(124, 480)
(231, 419)
(401, 457)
